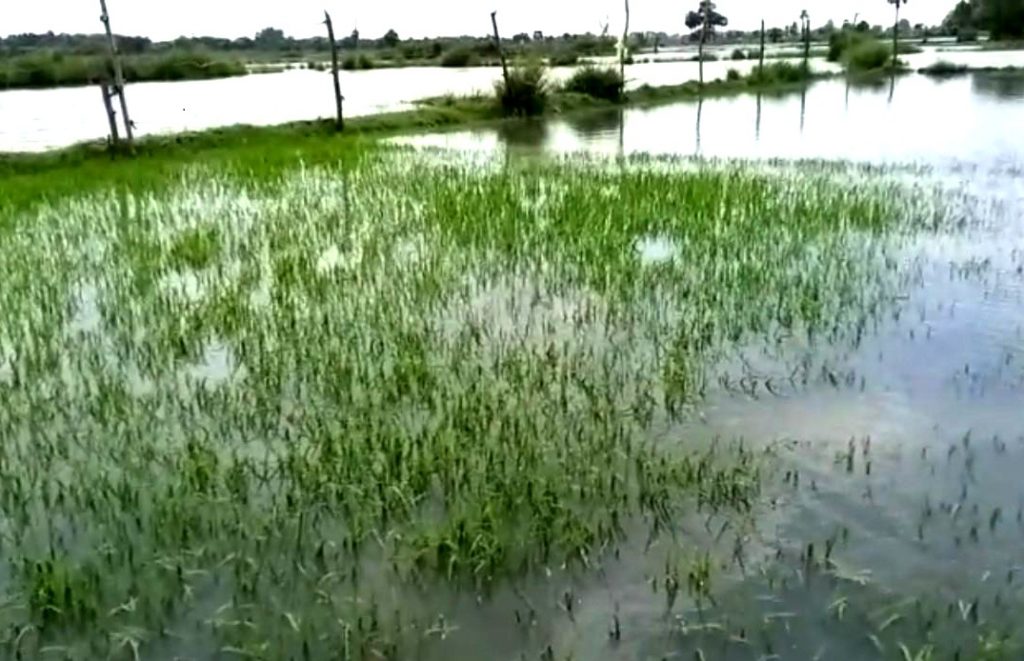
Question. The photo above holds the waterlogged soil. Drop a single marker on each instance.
(218, 369)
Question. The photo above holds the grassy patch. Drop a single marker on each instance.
(51, 69)
(599, 83)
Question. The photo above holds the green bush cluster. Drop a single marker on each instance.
(779, 72)
(459, 57)
(564, 59)
(600, 83)
(357, 61)
(52, 69)
(525, 94)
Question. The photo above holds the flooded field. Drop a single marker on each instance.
(436, 404)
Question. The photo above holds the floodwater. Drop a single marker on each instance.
(896, 516)
(37, 120)
(972, 119)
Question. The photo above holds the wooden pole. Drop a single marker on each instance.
(622, 54)
(111, 115)
(115, 60)
(340, 120)
(501, 51)
(761, 63)
(896, 37)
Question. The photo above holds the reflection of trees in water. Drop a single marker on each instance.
(523, 133)
(1003, 85)
(596, 122)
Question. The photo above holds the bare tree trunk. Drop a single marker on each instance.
(760, 63)
(807, 42)
(622, 54)
(501, 51)
(700, 50)
(111, 115)
(115, 60)
(340, 120)
(896, 37)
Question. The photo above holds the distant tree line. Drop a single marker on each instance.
(1002, 19)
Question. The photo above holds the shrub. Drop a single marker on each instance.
(354, 61)
(565, 59)
(459, 57)
(600, 83)
(708, 57)
(733, 76)
(738, 54)
(526, 92)
(779, 72)
(966, 35)
(869, 55)
(943, 68)
(839, 43)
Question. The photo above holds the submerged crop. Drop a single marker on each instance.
(303, 416)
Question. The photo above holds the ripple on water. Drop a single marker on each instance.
(657, 249)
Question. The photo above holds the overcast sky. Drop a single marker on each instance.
(166, 19)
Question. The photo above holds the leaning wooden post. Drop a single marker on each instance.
(340, 121)
(501, 51)
(761, 63)
(622, 53)
(111, 115)
(115, 61)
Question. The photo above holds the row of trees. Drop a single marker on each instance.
(1002, 19)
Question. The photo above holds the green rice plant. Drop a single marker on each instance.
(341, 405)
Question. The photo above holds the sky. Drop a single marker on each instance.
(167, 19)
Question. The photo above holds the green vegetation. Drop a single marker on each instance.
(779, 73)
(272, 410)
(868, 55)
(357, 61)
(943, 68)
(599, 83)
(460, 57)
(1002, 19)
(525, 93)
(566, 59)
(52, 69)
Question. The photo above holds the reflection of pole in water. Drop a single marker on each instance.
(622, 134)
(892, 86)
(757, 123)
(803, 108)
(700, 108)
(847, 107)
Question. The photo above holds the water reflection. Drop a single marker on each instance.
(1001, 85)
(890, 119)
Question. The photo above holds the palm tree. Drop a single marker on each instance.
(706, 18)
(896, 31)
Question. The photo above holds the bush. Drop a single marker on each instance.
(966, 35)
(459, 57)
(526, 93)
(732, 76)
(354, 61)
(600, 83)
(943, 68)
(708, 57)
(738, 54)
(839, 43)
(779, 72)
(869, 55)
(565, 59)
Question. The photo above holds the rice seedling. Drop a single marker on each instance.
(280, 413)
